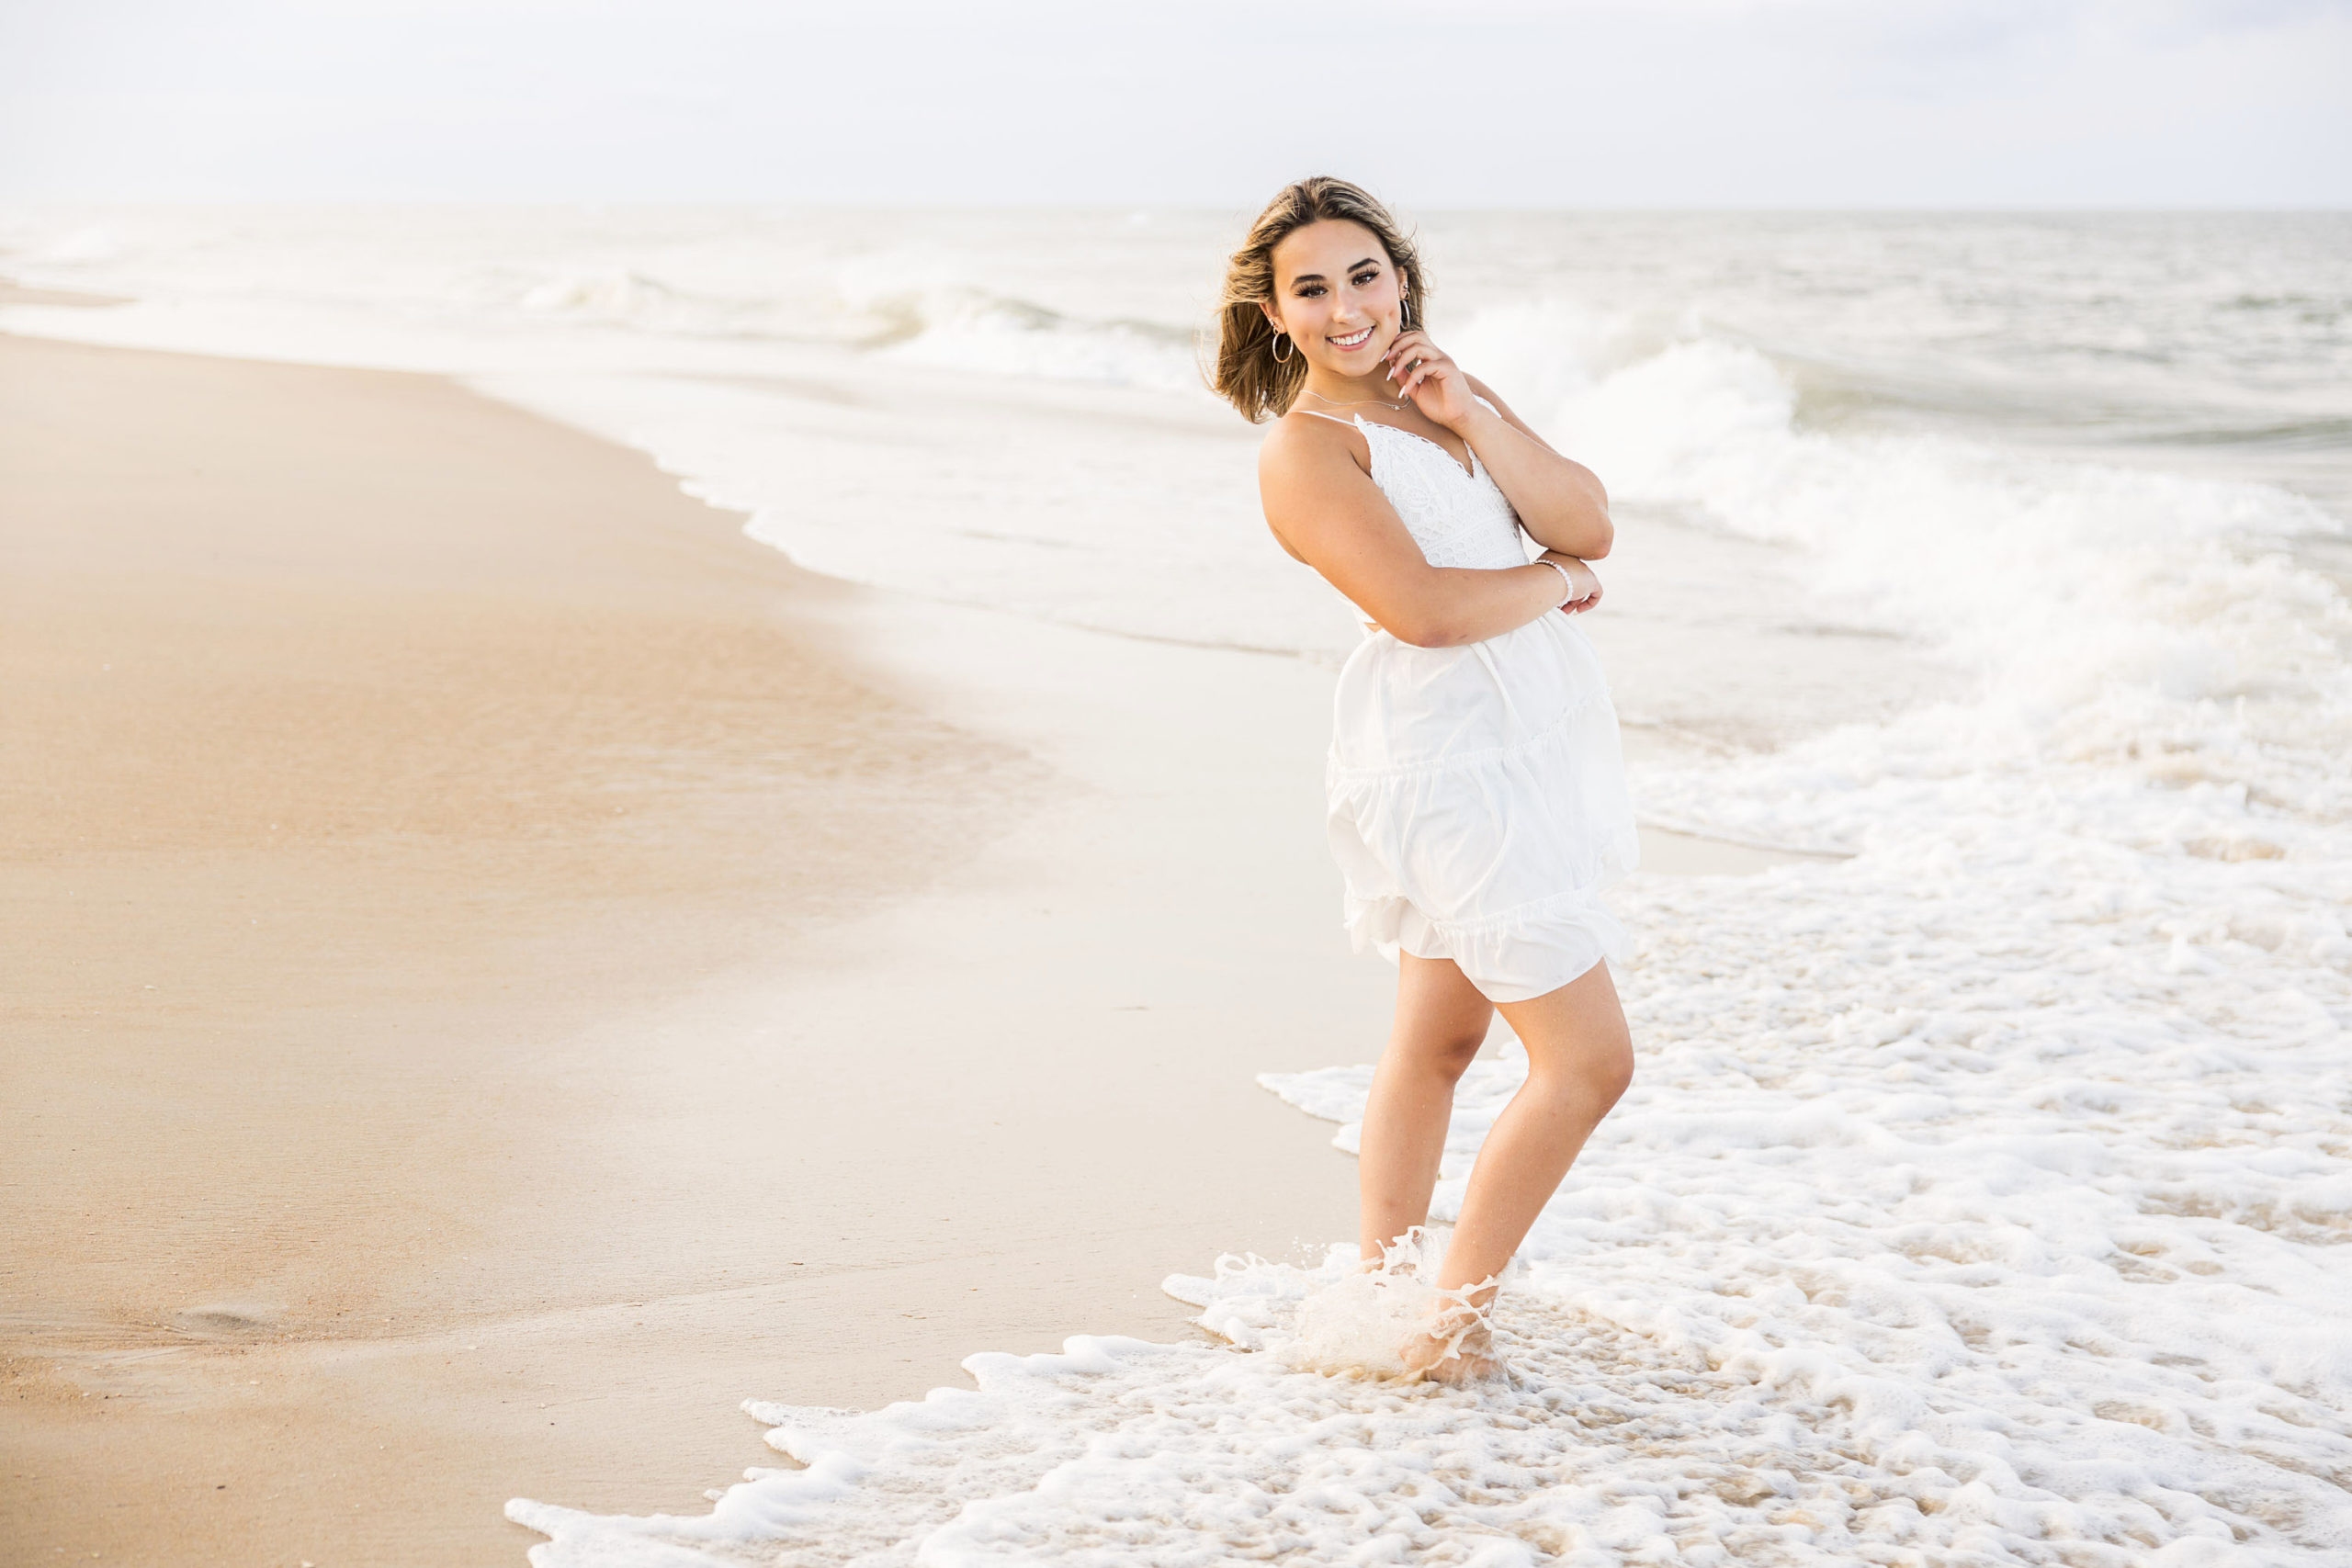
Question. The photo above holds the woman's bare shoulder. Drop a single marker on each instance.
(1310, 480)
(1300, 443)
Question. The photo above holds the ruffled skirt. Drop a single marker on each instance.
(1478, 806)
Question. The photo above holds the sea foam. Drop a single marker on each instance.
(1975, 1201)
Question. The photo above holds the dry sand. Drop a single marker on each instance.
(500, 967)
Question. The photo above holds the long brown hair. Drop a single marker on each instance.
(1248, 375)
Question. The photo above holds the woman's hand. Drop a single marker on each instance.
(1423, 373)
(1588, 586)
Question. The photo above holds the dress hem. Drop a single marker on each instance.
(1516, 954)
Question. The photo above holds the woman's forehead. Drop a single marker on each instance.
(1326, 245)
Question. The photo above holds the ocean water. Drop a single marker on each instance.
(1985, 1188)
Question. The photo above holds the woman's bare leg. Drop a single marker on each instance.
(1579, 1059)
(1440, 1021)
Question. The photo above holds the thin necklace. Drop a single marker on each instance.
(1360, 402)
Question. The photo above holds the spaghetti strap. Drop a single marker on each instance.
(1335, 419)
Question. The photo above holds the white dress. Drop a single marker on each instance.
(1478, 794)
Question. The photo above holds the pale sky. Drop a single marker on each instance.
(1481, 103)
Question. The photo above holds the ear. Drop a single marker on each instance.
(1274, 321)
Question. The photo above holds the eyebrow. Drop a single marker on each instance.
(1318, 277)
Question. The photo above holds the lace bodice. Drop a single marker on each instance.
(1458, 517)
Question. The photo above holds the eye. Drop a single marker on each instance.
(1310, 291)
(1366, 276)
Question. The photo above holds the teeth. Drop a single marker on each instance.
(1352, 338)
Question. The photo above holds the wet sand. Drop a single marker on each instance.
(425, 827)
(501, 968)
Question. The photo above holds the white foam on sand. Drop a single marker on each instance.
(1953, 1215)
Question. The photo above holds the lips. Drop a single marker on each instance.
(1353, 340)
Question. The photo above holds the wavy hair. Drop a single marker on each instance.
(1248, 375)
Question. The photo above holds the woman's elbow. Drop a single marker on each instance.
(1592, 531)
(1421, 634)
(1595, 520)
(1423, 628)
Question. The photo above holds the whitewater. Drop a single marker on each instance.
(1983, 1191)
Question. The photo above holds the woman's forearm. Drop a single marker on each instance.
(1580, 525)
(1560, 503)
(1456, 605)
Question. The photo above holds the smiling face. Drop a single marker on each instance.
(1338, 296)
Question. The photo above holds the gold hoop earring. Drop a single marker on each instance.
(1282, 358)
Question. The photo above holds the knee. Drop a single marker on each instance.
(1595, 1078)
(1612, 1075)
(1449, 1057)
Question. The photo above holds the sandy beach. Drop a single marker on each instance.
(668, 893)
(435, 849)
(502, 967)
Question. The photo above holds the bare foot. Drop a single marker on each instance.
(1456, 1348)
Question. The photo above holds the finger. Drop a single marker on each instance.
(1428, 370)
(1406, 345)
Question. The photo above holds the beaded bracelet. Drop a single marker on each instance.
(1556, 566)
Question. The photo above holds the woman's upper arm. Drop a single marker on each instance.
(1592, 506)
(1328, 512)
(1503, 409)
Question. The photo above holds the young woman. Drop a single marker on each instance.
(1477, 801)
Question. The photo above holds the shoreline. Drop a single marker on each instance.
(370, 745)
(912, 1013)
(511, 855)
(581, 845)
